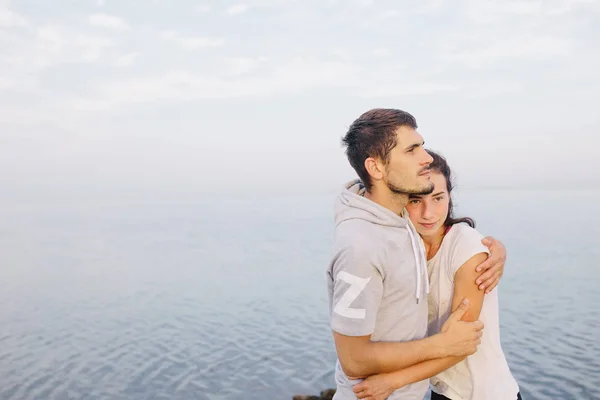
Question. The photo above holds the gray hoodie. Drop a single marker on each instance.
(377, 280)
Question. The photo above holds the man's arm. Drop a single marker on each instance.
(359, 357)
(491, 269)
(464, 287)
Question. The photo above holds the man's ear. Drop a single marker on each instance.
(375, 168)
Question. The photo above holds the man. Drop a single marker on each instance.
(377, 278)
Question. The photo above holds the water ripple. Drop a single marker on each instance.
(169, 304)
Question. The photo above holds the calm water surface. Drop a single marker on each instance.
(225, 298)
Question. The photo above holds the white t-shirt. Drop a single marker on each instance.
(485, 374)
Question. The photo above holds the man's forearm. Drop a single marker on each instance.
(382, 357)
(422, 371)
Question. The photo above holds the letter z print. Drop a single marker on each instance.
(357, 285)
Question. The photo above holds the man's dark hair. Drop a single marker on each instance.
(373, 134)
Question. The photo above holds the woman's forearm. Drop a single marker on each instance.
(422, 371)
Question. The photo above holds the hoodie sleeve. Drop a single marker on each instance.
(356, 290)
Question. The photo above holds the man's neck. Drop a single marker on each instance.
(388, 199)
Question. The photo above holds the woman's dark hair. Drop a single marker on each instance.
(440, 165)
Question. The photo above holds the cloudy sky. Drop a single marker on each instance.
(150, 99)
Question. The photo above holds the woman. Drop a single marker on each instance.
(453, 249)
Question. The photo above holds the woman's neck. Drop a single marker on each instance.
(433, 242)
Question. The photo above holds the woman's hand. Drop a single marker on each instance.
(375, 387)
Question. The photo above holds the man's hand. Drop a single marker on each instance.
(375, 387)
(493, 267)
(461, 338)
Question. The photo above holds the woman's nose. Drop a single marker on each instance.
(427, 211)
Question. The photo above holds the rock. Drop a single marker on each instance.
(325, 395)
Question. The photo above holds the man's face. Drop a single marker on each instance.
(407, 171)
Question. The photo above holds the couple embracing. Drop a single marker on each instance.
(412, 297)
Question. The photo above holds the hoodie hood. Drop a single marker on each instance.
(352, 204)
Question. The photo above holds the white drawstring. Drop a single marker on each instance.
(421, 264)
(418, 265)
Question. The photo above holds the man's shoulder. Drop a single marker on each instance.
(355, 223)
(359, 236)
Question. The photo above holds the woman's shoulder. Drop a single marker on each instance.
(464, 231)
(465, 242)
(465, 238)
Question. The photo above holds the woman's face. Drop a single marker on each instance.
(429, 212)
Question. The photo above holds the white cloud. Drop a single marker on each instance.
(40, 109)
(27, 55)
(9, 18)
(492, 89)
(190, 42)
(488, 11)
(489, 34)
(429, 6)
(536, 11)
(382, 52)
(560, 7)
(5, 83)
(237, 9)
(244, 65)
(55, 45)
(417, 67)
(239, 79)
(408, 88)
(125, 60)
(91, 47)
(293, 76)
(481, 52)
(388, 14)
(68, 71)
(108, 21)
(202, 9)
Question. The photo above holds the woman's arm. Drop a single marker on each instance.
(464, 288)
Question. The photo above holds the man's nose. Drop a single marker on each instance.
(427, 159)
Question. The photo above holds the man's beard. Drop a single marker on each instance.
(421, 191)
(406, 191)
